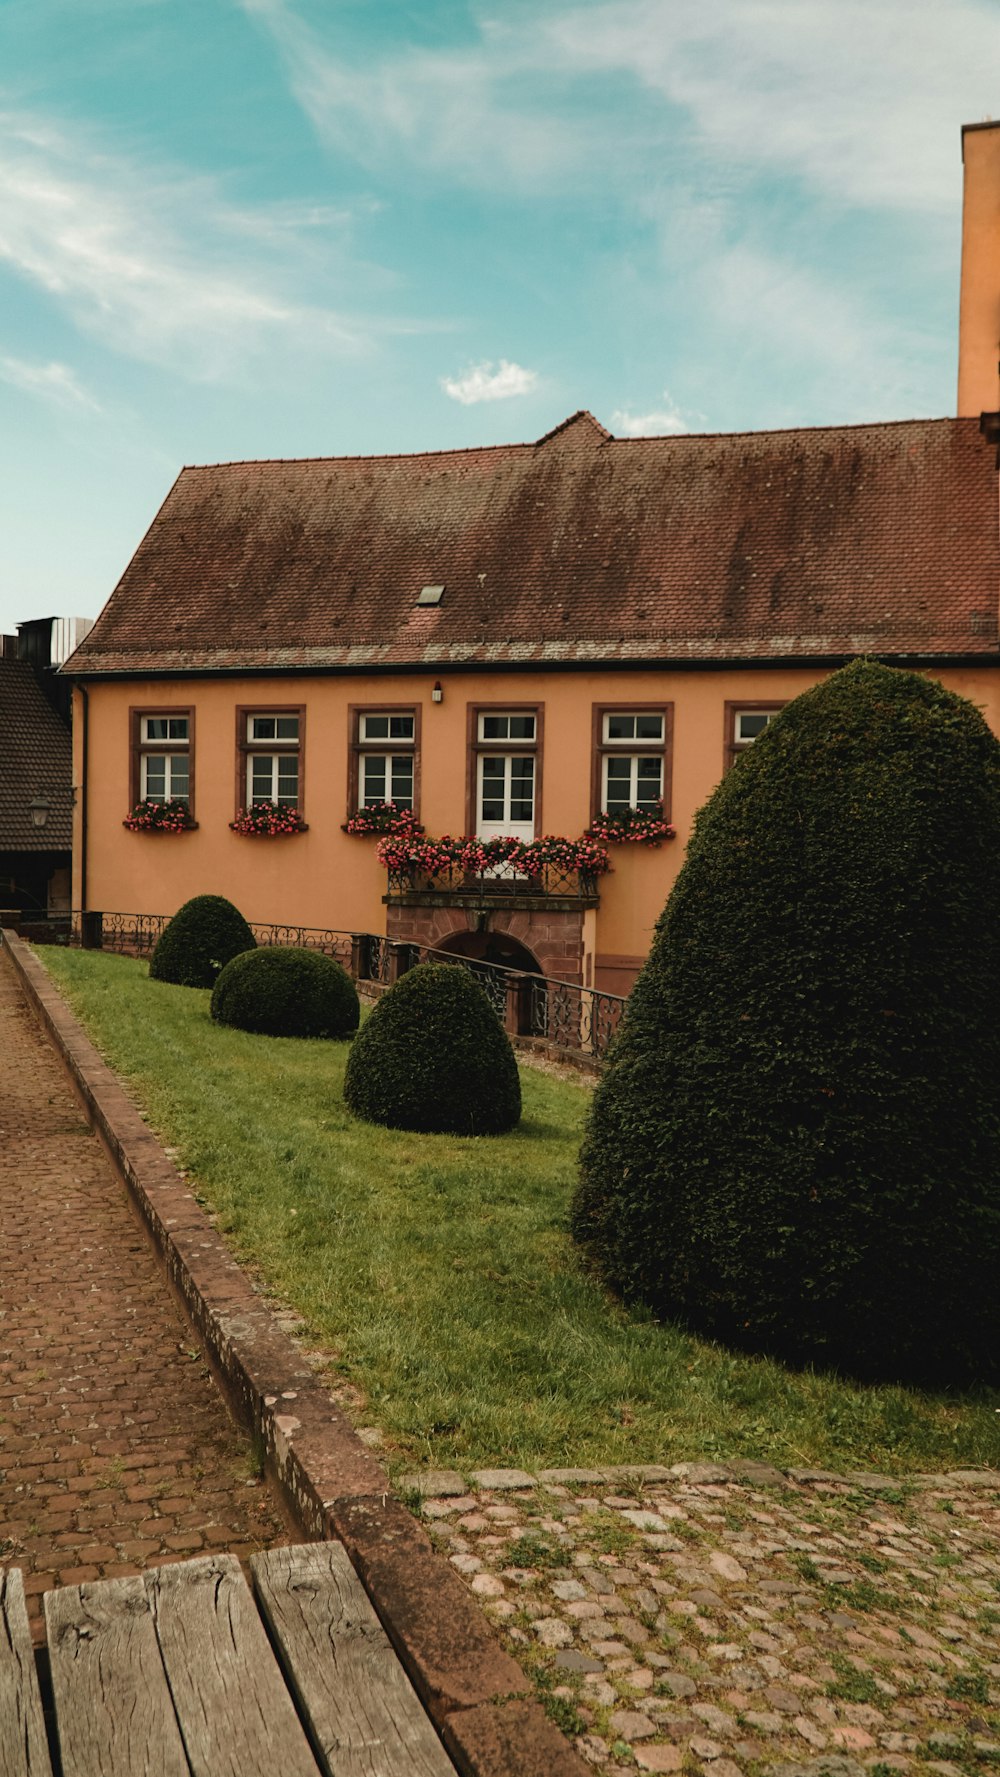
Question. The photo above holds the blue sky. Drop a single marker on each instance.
(264, 228)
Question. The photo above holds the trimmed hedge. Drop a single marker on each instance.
(795, 1146)
(204, 935)
(433, 1056)
(286, 993)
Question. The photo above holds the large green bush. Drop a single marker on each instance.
(286, 993)
(433, 1056)
(201, 938)
(796, 1143)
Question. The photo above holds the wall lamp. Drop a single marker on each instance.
(39, 809)
(437, 695)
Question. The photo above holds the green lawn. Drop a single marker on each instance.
(439, 1274)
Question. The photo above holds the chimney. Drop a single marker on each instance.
(979, 306)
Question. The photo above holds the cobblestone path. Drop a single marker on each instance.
(731, 1623)
(116, 1450)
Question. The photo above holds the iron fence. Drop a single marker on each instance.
(577, 1020)
(328, 939)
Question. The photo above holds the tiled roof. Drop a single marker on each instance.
(35, 761)
(577, 549)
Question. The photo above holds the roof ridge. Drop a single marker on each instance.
(582, 413)
(660, 438)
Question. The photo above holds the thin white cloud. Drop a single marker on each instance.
(657, 423)
(479, 115)
(481, 382)
(53, 382)
(858, 99)
(153, 263)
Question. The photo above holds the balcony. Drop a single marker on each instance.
(551, 888)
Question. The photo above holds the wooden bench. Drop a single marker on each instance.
(173, 1674)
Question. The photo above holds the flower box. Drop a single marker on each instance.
(268, 820)
(632, 826)
(382, 817)
(169, 816)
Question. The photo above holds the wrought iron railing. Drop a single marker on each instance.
(500, 882)
(577, 1020)
(332, 942)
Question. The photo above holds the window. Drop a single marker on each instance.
(631, 757)
(162, 756)
(505, 769)
(384, 758)
(271, 763)
(744, 723)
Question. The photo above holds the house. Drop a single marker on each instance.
(507, 641)
(36, 822)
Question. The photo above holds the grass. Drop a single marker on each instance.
(439, 1273)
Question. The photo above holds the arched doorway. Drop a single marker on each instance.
(491, 947)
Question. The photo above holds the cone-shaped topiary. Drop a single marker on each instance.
(433, 1056)
(201, 938)
(286, 993)
(796, 1143)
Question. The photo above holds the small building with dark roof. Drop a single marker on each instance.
(36, 817)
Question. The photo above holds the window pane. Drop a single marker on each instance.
(154, 776)
(288, 778)
(619, 727)
(402, 780)
(262, 778)
(262, 727)
(522, 789)
(372, 778)
(509, 727)
(649, 776)
(374, 727)
(288, 727)
(619, 772)
(164, 728)
(178, 775)
(649, 728)
(400, 727)
(750, 724)
(493, 783)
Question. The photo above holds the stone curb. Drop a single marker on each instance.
(330, 1482)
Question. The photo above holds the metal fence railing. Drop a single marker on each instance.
(559, 1014)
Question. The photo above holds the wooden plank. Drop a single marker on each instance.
(363, 1713)
(24, 1750)
(113, 1707)
(235, 1714)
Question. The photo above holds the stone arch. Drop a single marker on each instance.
(491, 947)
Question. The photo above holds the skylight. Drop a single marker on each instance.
(430, 595)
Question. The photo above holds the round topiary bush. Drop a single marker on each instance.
(795, 1146)
(204, 935)
(433, 1056)
(286, 993)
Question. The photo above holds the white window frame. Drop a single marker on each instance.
(270, 751)
(173, 749)
(736, 742)
(392, 755)
(634, 748)
(506, 747)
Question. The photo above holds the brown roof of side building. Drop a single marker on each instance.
(579, 549)
(35, 762)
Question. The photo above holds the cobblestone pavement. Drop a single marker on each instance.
(116, 1450)
(728, 1622)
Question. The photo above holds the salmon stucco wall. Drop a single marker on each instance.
(326, 878)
